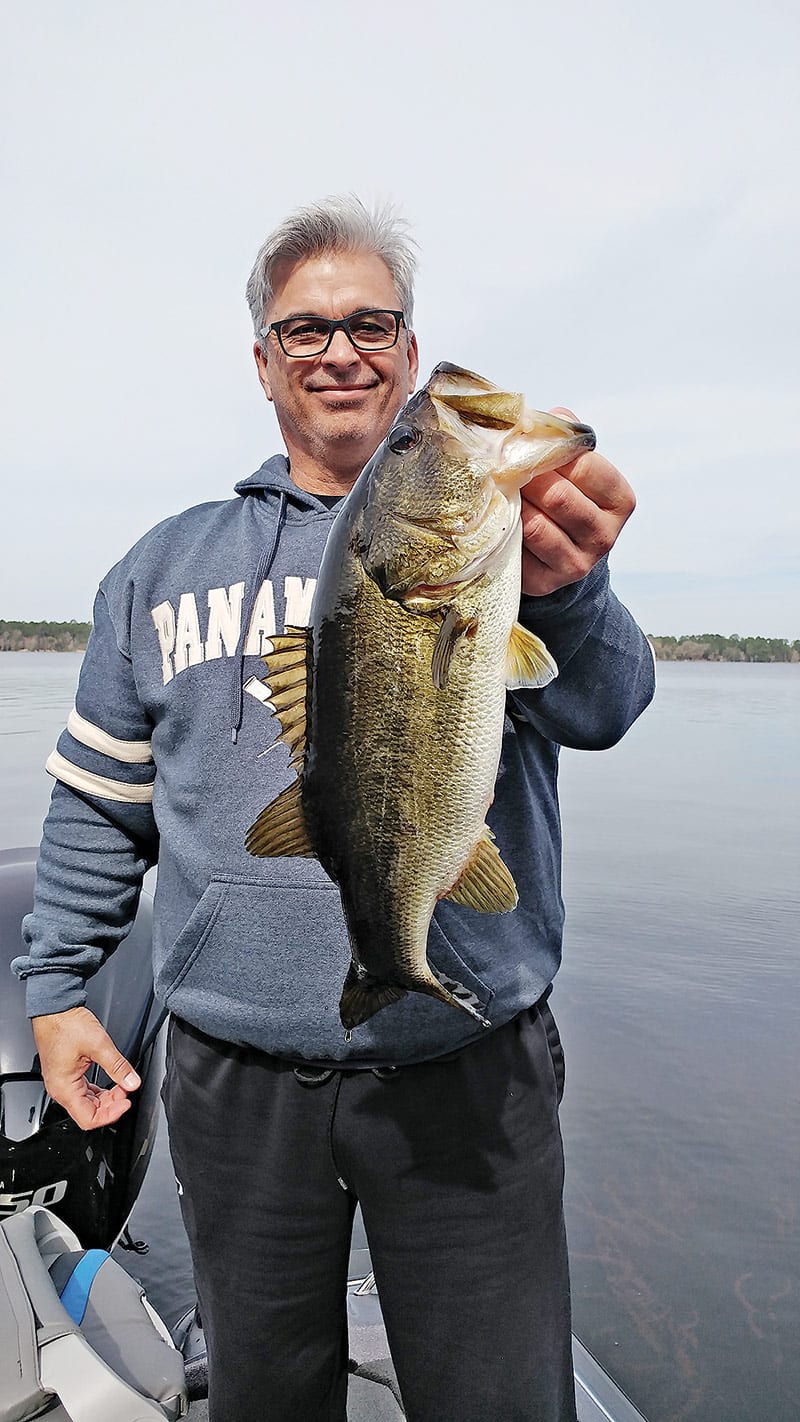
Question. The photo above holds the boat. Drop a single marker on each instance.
(66, 1196)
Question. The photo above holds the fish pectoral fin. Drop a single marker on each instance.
(528, 662)
(287, 661)
(485, 884)
(363, 996)
(281, 828)
(454, 627)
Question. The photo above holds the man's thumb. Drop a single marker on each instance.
(115, 1065)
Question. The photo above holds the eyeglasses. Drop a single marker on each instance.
(311, 335)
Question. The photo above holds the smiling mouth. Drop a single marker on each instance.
(342, 389)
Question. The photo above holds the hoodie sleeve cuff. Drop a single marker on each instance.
(594, 585)
(53, 990)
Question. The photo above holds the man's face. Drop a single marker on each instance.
(338, 406)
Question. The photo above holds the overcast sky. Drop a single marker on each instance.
(606, 198)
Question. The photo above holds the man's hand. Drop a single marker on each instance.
(570, 519)
(68, 1043)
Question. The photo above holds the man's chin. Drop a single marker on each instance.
(342, 424)
(356, 436)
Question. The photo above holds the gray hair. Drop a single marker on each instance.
(337, 224)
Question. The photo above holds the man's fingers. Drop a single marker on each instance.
(550, 560)
(601, 481)
(93, 1107)
(595, 477)
(69, 1043)
(552, 503)
(571, 517)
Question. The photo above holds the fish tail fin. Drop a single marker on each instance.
(363, 995)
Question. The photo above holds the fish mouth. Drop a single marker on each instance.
(496, 424)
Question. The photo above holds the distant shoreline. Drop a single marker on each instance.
(700, 647)
(713, 647)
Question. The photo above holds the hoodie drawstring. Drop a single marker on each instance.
(262, 573)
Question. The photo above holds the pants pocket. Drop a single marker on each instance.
(556, 1049)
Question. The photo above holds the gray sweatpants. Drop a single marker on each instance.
(458, 1167)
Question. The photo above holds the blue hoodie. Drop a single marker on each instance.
(161, 761)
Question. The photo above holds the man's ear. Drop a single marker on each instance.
(413, 362)
(263, 373)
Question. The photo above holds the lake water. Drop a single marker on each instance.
(679, 1005)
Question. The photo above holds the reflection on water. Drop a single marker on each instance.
(678, 1003)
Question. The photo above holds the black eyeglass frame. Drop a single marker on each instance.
(333, 327)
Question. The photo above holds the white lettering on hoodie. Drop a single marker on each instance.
(262, 623)
(298, 593)
(188, 642)
(179, 635)
(224, 620)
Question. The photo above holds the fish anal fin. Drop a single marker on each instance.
(281, 828)
(363, 995)
(528, 662)
(485, 884)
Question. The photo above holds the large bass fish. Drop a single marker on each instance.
(392, 700)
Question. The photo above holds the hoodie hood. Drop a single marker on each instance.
(273, 478)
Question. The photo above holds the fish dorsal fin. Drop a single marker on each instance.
(453, 628)
(485, 883)
(281, 828)
(287, 663)
(528, 662)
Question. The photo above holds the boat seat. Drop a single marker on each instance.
(76, 1327)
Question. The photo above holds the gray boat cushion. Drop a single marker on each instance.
(114, 1318)
(138, 1375)
(19, 1373)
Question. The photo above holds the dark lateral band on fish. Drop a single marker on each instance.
(392, 701)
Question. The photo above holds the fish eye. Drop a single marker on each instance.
(403, 438)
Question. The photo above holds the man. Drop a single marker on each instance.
(447, 1134)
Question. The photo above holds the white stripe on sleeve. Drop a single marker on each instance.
(130, 752)
(62, 769)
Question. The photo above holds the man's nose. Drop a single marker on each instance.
(341, 351)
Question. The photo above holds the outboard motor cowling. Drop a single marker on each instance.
(90, 1178)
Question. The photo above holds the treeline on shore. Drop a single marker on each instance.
(711, 647)
(705, 647)
(44, 636)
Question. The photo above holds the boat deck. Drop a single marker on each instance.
(370, 1400)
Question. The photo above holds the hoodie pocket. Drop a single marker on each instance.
(191, 940)
(259, 962)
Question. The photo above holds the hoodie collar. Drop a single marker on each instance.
(274, 478)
